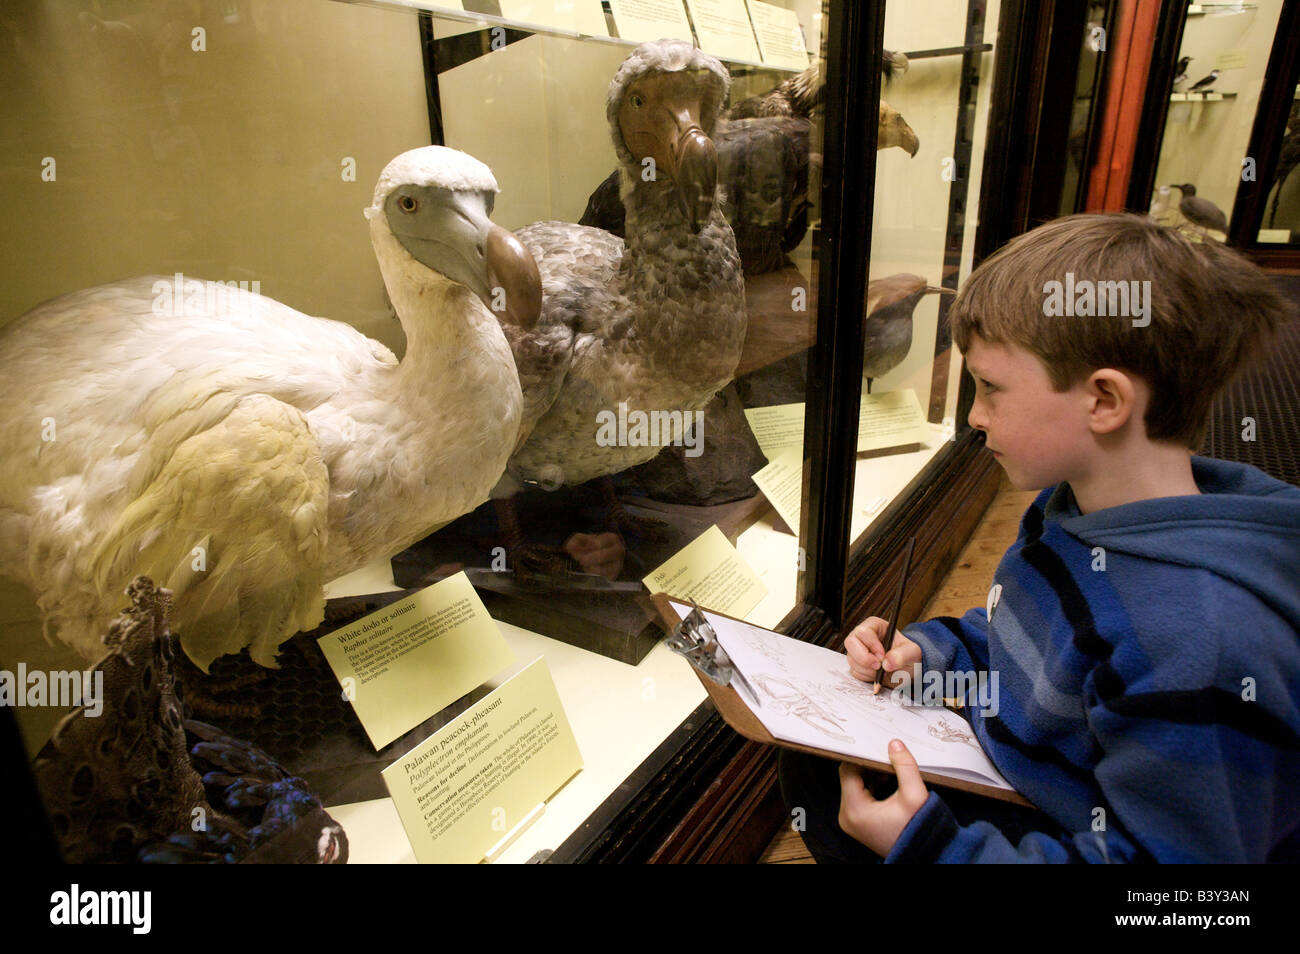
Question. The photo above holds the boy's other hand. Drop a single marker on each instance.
(600, 553)
(865, 647)
(878, 823)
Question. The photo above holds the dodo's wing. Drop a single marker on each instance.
(578, 265)
(605, 208)
(235, 524)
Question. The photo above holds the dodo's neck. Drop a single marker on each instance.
(446, 325)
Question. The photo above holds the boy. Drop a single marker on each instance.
(1146, 624)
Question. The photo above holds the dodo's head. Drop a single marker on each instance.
(436, 202)
(663, 105)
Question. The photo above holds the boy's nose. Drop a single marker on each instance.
(976, 418)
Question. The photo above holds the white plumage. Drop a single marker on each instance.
(242, 453)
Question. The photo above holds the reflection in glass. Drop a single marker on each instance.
(1220, 70)
(923, 230)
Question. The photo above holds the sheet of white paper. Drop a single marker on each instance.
(809, 696)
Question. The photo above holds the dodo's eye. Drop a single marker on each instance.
(637, 101)
(407, 203)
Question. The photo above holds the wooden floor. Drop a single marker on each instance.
(966, 585)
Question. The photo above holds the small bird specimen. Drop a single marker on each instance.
(1203, 84)
(1180, 71)
(243, 453)
(887, 327)
(1200, 211)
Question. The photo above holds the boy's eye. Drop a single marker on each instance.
(984, 384)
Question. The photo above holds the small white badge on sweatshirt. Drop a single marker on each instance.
(995, 594)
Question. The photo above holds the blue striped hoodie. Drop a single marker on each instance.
(1148, 660)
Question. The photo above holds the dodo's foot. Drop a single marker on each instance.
(202, 693)
(618, 520)
(647, 529)
(536, 561)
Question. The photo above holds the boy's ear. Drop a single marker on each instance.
(1115, 396)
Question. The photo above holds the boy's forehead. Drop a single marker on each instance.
(982, 354)
(990, 357)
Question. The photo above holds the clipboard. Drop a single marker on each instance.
(715, 672)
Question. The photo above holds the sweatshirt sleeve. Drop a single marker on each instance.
(934, 836)
(1184, 817)
(950, 643)
(1184, 777)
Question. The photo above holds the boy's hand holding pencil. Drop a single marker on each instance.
(865, 647)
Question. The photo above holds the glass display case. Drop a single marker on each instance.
(1220, 72)
(1220, 117)
(704, 355)
(922, 246)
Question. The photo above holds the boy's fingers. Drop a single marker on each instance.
(910, 784)
(858, 652)
(852, 786)
(870, 632)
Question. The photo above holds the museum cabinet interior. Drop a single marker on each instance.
(617, 403)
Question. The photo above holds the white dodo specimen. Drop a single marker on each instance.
(242, 453)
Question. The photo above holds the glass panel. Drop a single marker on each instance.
(1221, 65)
(1087, 92)
(933, 128)
(243, 453)
(1282, 211)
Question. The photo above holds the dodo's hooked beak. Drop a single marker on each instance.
(695, 172)
(512, 269)
(452, 233)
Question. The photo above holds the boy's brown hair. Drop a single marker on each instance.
(1210, 310)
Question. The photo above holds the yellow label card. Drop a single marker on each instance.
(467, 788)
(779, 36)
(782, 482)
(777, 429)
(403, 663)
(711, 572)
(578, 16)
(891, 420)
(1230, 59)
(639, 20)
(723, 28)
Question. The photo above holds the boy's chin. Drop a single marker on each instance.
(1026, 482)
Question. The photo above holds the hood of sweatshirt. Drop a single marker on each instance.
(1243, 526)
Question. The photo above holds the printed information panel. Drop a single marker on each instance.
(466, 788)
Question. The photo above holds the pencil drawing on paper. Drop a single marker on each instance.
(946, 732)
(794, 700)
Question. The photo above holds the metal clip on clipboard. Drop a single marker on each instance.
(695, 638)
